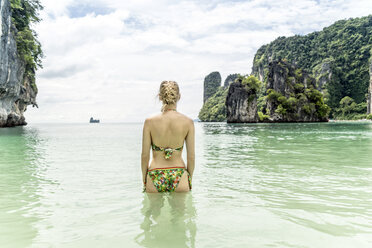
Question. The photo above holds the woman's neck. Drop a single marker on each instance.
(170, 107)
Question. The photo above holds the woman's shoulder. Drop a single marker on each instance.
(149, 120)
(184, 118)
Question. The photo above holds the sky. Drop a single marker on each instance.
(107, 58)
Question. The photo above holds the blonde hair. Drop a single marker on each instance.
(169, 93)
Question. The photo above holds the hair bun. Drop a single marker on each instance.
(168, 93)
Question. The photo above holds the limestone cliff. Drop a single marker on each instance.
(15, 88)
(323, 74)
(292, 95)
(230, 79)
(241, 104)
(211, 84)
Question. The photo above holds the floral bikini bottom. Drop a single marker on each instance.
(167, 179)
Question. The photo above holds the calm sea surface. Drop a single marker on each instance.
(255, 185)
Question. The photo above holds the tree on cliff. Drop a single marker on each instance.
(24, 14)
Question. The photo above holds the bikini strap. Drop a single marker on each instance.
(159, 148)
(156, 148)
(178, 148)
(167, 151)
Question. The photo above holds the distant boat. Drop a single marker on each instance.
(93, 120)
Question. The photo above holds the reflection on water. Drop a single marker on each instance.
(21, 173)
(316, 176)
(169, 220)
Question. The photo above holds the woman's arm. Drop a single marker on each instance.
(190, 145)
(146, 144)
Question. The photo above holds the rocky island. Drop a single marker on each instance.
(92, 120)
(20, 55)
(304, 78)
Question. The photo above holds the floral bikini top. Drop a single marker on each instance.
(167, 151)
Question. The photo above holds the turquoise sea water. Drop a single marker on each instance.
(255, 185)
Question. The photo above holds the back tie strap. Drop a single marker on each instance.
(167, 151)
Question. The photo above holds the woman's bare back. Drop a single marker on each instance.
(169, 129)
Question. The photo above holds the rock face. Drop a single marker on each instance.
(292, 95)
(259, 72)
(15, 89)
(214, 106)
(324, 75)
(241, 106)
(211, 84)
(230, 79)
(369, 96)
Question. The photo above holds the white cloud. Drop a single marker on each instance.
(110, 65)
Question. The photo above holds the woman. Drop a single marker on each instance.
(165, 133)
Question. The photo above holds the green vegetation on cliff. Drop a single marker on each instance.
(230, 79)
(350, 110)
(24, 14)
(338, 55)
(310, 101)
(214, 108)
(251, 83)
(291, 95)
(211, 83)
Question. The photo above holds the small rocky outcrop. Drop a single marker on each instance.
(292, 96)
(211, 84)
(15, 88)
(230, 79)
(241, 103)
